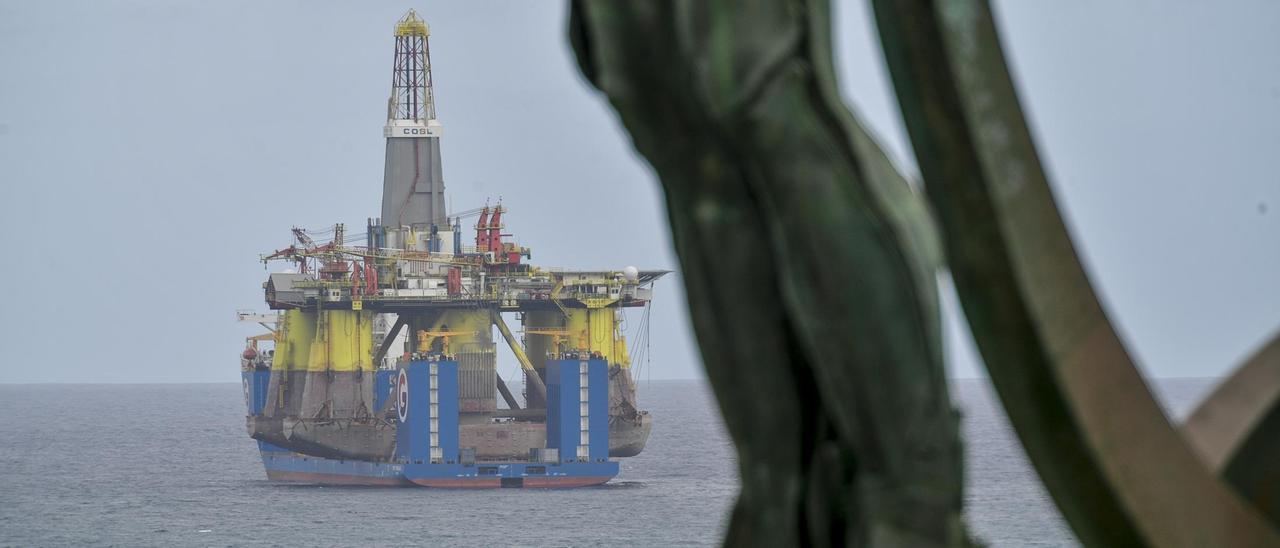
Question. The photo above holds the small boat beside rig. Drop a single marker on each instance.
(382, 366)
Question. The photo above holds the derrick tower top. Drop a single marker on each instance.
(413, 181)
(411, 96)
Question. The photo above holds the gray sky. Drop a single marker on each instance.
(150, 150)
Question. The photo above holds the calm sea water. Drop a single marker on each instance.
(162, 465)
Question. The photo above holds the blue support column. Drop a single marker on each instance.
(447, 378)
(255, 389)
(256, 384)
(578, 409)
(426, 402)
(598, 374)
(384, 386)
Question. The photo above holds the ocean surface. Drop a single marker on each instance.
(165, 465)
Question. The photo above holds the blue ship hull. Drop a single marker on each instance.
(286, 466)
(413, 464)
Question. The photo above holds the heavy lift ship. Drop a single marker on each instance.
(383, 369)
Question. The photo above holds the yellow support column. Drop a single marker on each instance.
(337, 385)
(598, 330)
(289, 366)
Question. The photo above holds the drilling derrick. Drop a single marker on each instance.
(413, 183)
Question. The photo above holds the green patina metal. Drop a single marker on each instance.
(810, 263)
(1120, 472)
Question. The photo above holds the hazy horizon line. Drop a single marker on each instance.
(697, 379)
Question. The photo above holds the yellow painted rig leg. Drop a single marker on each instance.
(339, 375)
(599, 332)
(288, 369)
(467, 335)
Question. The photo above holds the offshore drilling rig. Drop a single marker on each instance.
(368, 327)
